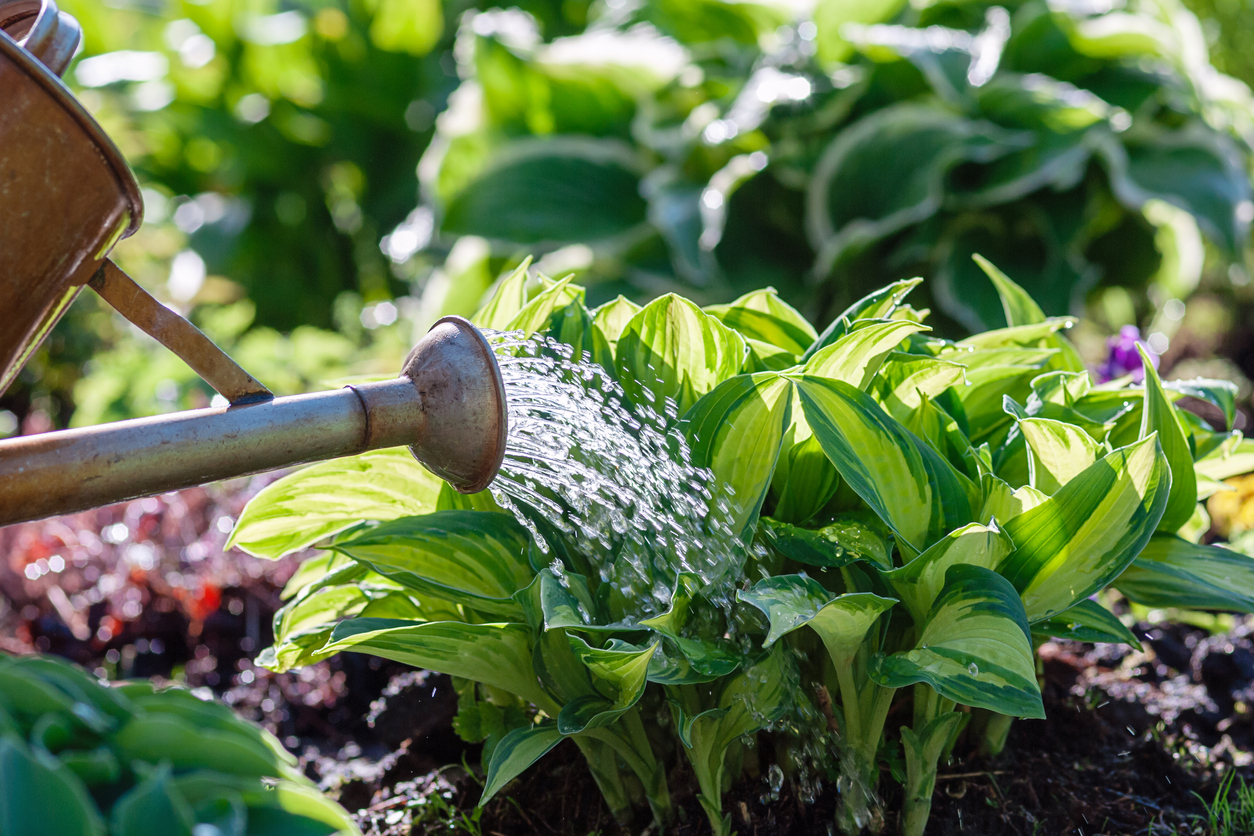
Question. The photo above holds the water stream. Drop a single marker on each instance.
(616, 480)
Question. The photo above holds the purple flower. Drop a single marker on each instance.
(1123, 357)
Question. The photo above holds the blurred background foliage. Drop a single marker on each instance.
(324, 178)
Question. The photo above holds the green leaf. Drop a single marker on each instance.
(975, 650)
(409, 26)
(1034, 335)
(309, 505)
(673, 349)
(1057, 452)
(831, 15)
(473, 558)
(1171, 572)
(611, 319)
(903, 480)
(904, 380)
(619, 677)
(804, 479)
(539, 312)
(887, 171)
(509, 295)
(38, 798)
(1159, 416)
(1087, 621)
(1019, 307)
(834, 545)
(856, 357)
(1083, 537)
(153, 806)
(159, 737)
(748, 701)
(1220, 393)
(518, 750)
(793, 601)
(761, 315)
(919, 582)
(737, 430)
(283, 808)
(498, 655)
(1233, 458)
(877, 305)
(552, 190)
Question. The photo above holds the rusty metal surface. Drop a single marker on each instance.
(43, 30)
(178, 335)
(66, 197)
(451, 414)
(463, 399)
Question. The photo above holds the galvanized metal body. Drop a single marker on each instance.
(450, 411)
(66, 197)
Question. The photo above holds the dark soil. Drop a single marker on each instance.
(144, 589)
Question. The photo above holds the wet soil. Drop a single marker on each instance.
(145, 589)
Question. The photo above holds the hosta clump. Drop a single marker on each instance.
(881, 517)
(79, 758)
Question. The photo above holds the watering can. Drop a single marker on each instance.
(66, 198)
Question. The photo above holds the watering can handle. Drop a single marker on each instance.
(177, 334)
(43, 30)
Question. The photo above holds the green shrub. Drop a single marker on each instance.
(831, 154)
(917, 514)
(83, 759)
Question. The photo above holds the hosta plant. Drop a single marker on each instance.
(79, 758)
(719, 145)
(909, 517)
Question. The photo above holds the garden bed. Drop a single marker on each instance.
(1129, 738)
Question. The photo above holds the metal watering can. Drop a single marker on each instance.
(66, 198)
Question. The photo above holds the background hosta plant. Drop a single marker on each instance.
(911, 517)
(80, 758)
(722, 145)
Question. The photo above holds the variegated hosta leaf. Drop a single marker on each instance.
(1233, 458)
(905, 379)
(761, 315)
(804, 479)
(612, 318)
(538, 312)
(1159, 416)
(1030, 335)
(857, 356)
(1081, 538)
(920, 581)
(472, 558)
(904, 481)
(1220, 393)
(1087, 621)
(518, 750)
(793, 601)
(736, 431)
(673, 349)
(976, 649)
(508, 298)
(1001, 502)
(1172, 572)
(983, 398)
(749, 701)
(1057, 452)
(498, 655)
(836, 544)
(877, 305)
(618, 675)
(309, 505)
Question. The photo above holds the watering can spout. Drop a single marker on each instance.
(448, 407)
